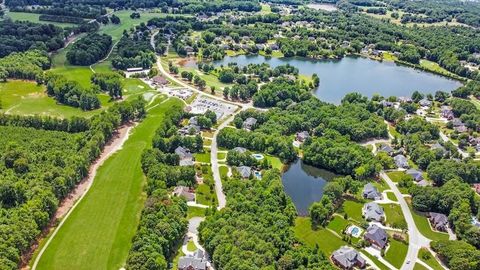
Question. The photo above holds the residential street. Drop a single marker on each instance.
(416, 239)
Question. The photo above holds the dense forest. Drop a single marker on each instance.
(22, 36)
(243, 236)
(134, 50)
(27, 65)
(89, 49)
(39, 167)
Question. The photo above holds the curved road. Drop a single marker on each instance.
(416, 239)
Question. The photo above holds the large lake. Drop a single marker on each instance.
(356, 74)
(304, 184)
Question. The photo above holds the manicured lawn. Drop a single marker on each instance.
(475, 102)
(177, 257)
(191, 246)
(338, 224)
(434, 67)
(203, 157)
(376, 261)
(381, 186)
(426, 256)
(396, 253)
(353, 209)
(419, 267)
(326, 240)
(275, 162)
(394, 215)
(221, 155)
(223, 171)
(33, 17)
(393, 131)
(423, 226)
(195, 212)
(206, 196)
(265, 9)
(207, 142)
(396, 175)
(391, 196)
(106, 220)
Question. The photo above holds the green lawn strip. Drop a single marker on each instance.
(396, 175)
(381, 186)
(105, 221)
(396, 253)
(423, 226)
(475, 102)
(203, 157)
(223, 171)
(427, 257)
(338, 224)
(419, 267)
(222, 155)
(326, 240)
(191, 246)
(353, 209)
(194, 211)
(207, 142)
(35, 18)
(376, 261)
(394, 215)
(391, 196)
(393, 131)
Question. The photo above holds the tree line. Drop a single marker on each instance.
(89, 49)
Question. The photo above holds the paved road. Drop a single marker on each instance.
(416, 239)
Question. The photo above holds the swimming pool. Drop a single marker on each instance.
(258, 156)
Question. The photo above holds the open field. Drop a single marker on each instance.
(28, 98)
(105, 221)
(326, 240)
(32, 17)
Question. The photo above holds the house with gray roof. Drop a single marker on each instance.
(401, 162)
(376, 236)
(244, 171)
(385, 148)
(302, 136)
(371, 192)
(456, 122)
(438, 221)
(197, 261)
(249, 123)
(425, 103)
(183, 191)
(373, 212)
(186, 158)
(416, 174)
(240, 150)
(347, 258)
(461, 129)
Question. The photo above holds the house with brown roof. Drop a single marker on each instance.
(438, 221)
(348, 258)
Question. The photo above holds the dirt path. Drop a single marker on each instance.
(75, 196)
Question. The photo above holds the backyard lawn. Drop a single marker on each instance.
(353, 209)
(338, 224)
(326, 240)
(396, 253)
(105, 221)
(274, 161)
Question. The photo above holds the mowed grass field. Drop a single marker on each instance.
(32, 17)
(98, 233)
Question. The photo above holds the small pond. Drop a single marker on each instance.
(355, 74)
(304, 184)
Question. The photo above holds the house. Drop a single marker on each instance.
(302, 136)
(423, 183)
(425, 103)
(371, 192)
(401, 161)
(347, 258)
(446, 112)
(183, 191)
(159, 80)
(193, 120)
(461, 129)
(186, 158)
(197, 261)
(385, 148)
(249, 123)
(404, 99)
(373, 212)
(260, 46)
(239, 150)
(438, 221)
(376, 236)
(189, 129)
(456, 122)
(274, 47)
(477, 188)
(416, 174)
(386, 103)
(244, 171)
(438, 147)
